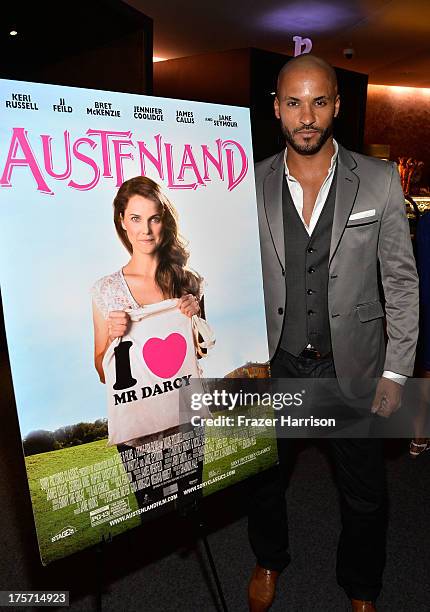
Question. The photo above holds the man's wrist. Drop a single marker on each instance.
(398, 378)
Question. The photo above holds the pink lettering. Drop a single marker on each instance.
(104, 137)
(227, 160)
(87, 160)
(170, 172)
(156, 161)
(232, 180)
(47, 156)
(119, 156)
(191, 165)
(217, 162)
(19, 139)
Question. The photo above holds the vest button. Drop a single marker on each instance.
(311, 270)
(311, 312)
(310, 291)
(280, 311)
(311, 250)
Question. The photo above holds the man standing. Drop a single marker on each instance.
(330, 222)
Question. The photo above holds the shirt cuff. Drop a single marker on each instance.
(398, 378)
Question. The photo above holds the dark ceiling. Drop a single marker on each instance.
(391, 38)
(49, 31)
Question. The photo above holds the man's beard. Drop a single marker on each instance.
(307, 149)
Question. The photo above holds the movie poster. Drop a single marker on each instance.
(107, 423)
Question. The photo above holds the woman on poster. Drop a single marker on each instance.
(156, 279)
(146, 223)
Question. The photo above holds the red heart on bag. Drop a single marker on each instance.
(165, 357)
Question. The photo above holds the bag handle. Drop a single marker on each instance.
(202, 329)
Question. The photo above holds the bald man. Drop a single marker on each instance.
(330, 220)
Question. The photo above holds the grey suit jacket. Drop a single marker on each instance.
(360, 248)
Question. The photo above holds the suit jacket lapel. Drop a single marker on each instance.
(346, 193)
(272, 193)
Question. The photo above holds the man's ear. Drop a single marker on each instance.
(336, 105)
(276, 107)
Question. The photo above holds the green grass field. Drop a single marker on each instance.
(49, 522)
(249, 457)
(255, 457)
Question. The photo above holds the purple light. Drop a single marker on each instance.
(307, 17)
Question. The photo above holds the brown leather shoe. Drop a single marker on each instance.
(359, 605)
(261, 589)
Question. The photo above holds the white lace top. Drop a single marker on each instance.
(112, 293)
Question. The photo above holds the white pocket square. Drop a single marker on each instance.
(363, 214)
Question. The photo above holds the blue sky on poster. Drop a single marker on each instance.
(54, 247)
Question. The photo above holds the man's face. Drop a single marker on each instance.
(306, 104)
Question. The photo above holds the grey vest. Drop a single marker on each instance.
(306, 318)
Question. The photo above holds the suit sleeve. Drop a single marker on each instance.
(399, 280)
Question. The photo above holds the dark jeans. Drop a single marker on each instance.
(360, 477)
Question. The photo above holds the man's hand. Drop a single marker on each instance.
(388, 397)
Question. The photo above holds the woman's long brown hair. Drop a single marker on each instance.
(172, 275)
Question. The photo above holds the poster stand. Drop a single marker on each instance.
(100, 551)
(203, 536)
(191, 512)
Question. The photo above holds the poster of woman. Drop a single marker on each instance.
(173, 272)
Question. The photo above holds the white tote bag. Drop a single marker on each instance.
(151, 371)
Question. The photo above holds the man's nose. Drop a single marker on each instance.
(307, 116)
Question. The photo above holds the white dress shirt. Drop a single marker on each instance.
(296, 192)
